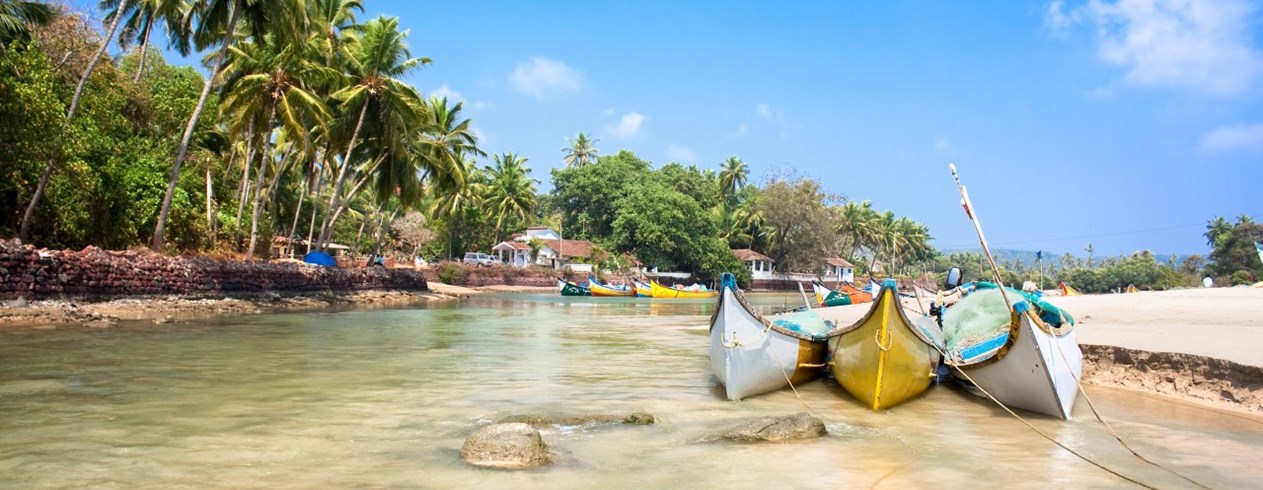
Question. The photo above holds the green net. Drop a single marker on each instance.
(979, 316)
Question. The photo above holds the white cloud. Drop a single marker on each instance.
(1202, 44)
(680, 154)
(765, 112)
(942, 144)
(739, 132)
(542, 76)
(1238, 138)
(445, 91)
(628, 126)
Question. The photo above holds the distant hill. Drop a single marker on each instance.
(1027, 257)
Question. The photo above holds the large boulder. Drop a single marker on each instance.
(776, 429)
(507, 446)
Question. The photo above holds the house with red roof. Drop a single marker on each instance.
(837, 269)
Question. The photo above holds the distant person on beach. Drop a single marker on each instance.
(1208, 282)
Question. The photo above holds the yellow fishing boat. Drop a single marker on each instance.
(886, 358)
(660, 291)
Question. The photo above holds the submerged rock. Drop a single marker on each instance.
(536, 420)
(507, 446)
(776, 429)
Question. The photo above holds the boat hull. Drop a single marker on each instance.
(881, 360)
(642, 290)
(598, 289)
(1037, 370)
(567, 288)
(660, 291)
(749, 358)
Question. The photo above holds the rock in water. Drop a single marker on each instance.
(506, 446)
(776, 429)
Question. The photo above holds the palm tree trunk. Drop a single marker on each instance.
(258, 186)
(326, 228)
(297, 211)
(25, 232)
(210, 214)
(182, 152)
(245, 186)
(83, 79)
(360, 234)
(381, 228)
(333, 216)
(144, 46)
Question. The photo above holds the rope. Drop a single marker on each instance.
(1046, 436)
(1110, 430)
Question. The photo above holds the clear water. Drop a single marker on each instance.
(385, 399)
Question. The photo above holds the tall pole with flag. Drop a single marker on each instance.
(1039, 257)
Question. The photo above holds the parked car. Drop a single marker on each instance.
(479, 258)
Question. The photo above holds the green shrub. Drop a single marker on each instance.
(449, 273)
(1242, 277)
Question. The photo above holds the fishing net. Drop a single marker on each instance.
(982, 315)
(807, 322)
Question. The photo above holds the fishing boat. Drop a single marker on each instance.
(751, 354)
(886, 358)
(1031, 364)
(846, 294)
(642, 289)
(599, 289)
(660, 291)
(567, 288)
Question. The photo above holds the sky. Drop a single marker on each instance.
(1126, 125)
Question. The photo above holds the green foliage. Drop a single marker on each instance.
(31, 120)
(449, 273)
(1234, 249)
(1140, 270)
(1243, 277)
(661, 226)
(586, 194)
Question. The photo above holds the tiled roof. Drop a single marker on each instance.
(838, 262)
(746, 255)
(512, 245)
(570, 248)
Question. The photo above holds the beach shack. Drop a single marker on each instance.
(514, 253)
(760, 265)
(837, 269)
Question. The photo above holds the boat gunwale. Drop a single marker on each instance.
(741, 302)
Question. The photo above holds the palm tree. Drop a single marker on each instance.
(334, 27)
(451, 199)
(15, 15)
(580, 152)
(510, 192)
(858, 223)
(732, 176)
(142, 16)
(273, 82)
(217, 24)
(1217, 230)
(379, 61)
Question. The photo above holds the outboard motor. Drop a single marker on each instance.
(955, 277)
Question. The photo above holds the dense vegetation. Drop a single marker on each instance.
(307, 131)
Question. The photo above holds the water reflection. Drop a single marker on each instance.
(384, 398)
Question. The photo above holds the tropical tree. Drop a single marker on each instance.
(217, 23)
(376, 65)
(15, 15)
(454, 200)
(732, 176)
(580, 152)
(142, 16)
(510, 192)
(1217, 230)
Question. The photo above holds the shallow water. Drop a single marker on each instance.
(385, 399)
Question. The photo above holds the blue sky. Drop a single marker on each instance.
(1122, 124)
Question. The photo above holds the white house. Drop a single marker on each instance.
(513, 253)
(538, 232)
(838, 269)
(760, 265)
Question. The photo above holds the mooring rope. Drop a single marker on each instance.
(1079, 382)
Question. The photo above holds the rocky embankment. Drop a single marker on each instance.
(95, 285)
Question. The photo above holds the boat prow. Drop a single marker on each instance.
(886, 358)
(750, 354)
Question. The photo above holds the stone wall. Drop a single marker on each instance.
(99, 274)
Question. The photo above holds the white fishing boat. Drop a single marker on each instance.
(751, 354)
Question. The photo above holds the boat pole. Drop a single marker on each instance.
(982, 239)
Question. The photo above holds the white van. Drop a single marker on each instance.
(478, 258)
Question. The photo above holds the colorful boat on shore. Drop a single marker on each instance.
(660, 291)
(642, 289)
(751, 354)
(886, 358)
(599, 289)
(567, 288)
(846, 294)
(1034, 363)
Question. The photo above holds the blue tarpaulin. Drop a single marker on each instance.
(319, 258)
